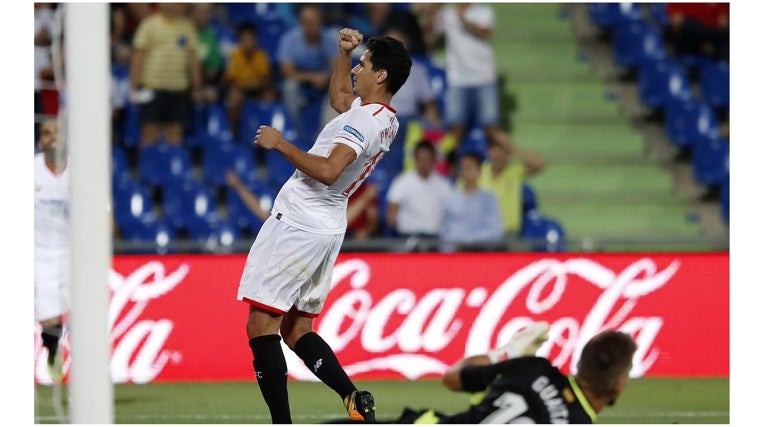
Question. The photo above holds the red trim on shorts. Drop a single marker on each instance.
(264, 306)
(303, 313)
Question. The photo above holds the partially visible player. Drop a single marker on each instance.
(51, 241)
(289, 268)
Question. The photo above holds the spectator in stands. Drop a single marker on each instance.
(699, 29)
(246, 195)
(362, 214)
(305, 55)
(43, 67)
(164, 73)
(472, 98)
(416, 197)
(374, 19)
(471, 215)
(120, 57)
(248, 74)
(504, 172)
(415, 101)
(209, 51)
(126, 17)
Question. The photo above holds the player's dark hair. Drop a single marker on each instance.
(390, 55)
(605, 359)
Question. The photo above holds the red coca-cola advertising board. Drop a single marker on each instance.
(409, 316)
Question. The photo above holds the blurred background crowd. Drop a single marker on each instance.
(191, 83)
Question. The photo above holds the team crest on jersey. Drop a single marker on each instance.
(354, 132)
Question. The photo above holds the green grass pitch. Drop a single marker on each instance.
(645, 401)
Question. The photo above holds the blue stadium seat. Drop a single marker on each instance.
(382, 179)
(662, 82)
(710, 161)
(217, 123)
(270, 32)
(163, 163)
(196, 135)
(270, 113)
(690, 121)
(714, 84)
(659, 14)
(220, 156)
(609, 15)
(310, 121)
(529, 199)
(542, 233)
(725, 200)
(119, 164)
(215, 161)
(279, 169)
(187, 204)
(258, 13)
(130, 132)
(636, 41)
(239, 213)
(156, 235)
(438, 82)
(690, 62)
(133, 207)
(215, 234)
(225, 34)
(241, 159)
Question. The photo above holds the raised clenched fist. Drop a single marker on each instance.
(349, 38)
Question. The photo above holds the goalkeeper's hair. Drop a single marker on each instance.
(605, 359)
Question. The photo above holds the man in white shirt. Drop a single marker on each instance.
(472, 97)
(51, 242)
(416, 198)
(289, 268)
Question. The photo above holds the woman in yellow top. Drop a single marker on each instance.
(248, 74)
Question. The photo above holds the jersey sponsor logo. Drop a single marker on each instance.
(354, 132)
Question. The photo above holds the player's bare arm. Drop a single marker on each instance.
(341, 89)
(324, 169)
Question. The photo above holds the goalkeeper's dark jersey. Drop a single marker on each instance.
(522, 390)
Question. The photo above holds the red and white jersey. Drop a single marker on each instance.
(309, 205)
(51, 206)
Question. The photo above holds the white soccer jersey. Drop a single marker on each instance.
(51, 241)
(309, 205)
(51, 206)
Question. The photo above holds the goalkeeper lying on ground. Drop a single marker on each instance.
(512, 385)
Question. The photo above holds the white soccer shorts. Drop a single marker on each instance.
(289, 268)
(52, 271)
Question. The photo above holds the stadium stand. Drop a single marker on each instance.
(561, 109)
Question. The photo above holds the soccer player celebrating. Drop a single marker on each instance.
(289, 268)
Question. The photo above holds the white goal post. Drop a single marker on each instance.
(86, 51)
